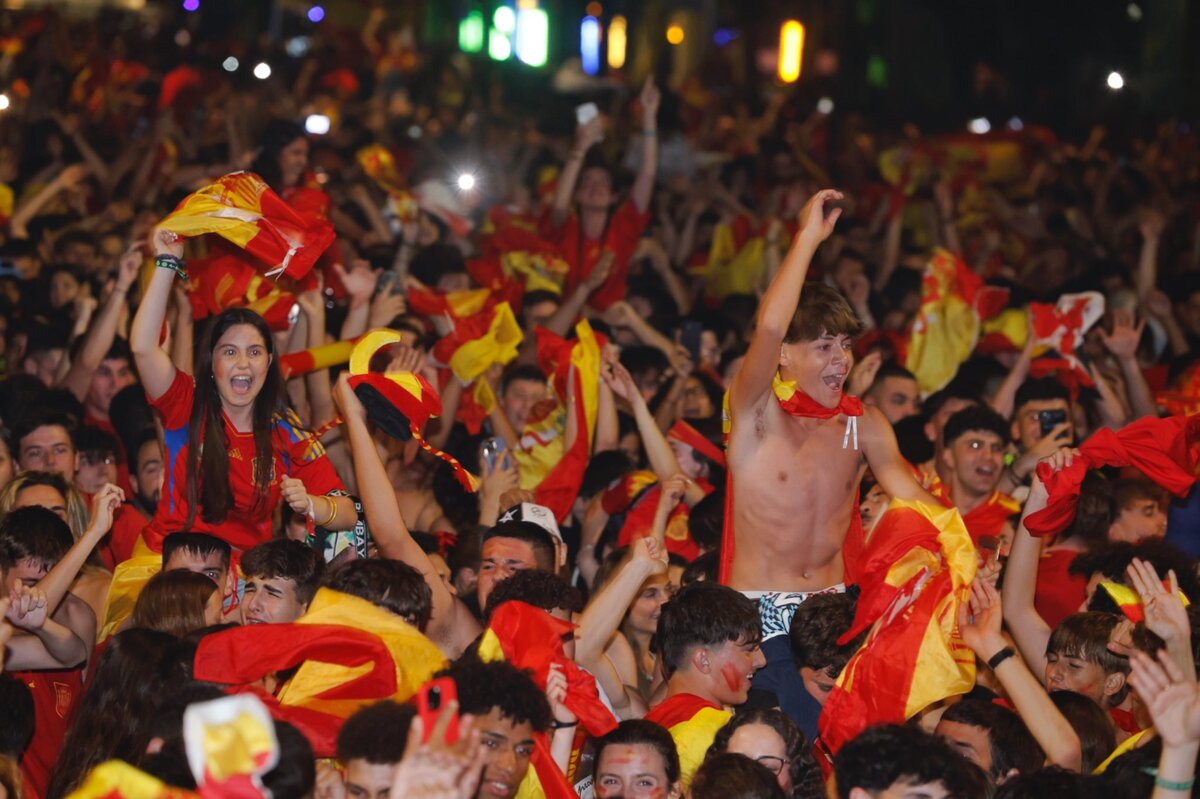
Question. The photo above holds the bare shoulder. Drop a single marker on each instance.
(874, 428)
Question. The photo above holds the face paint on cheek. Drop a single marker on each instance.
(732, 679)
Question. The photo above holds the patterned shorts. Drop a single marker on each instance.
(776, 608)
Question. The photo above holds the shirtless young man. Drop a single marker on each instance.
(795, 465)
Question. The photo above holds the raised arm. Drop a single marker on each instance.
(585, 136)
(1173, 701)
(1028, 628)
(1123, 344)
(602, 616)
(57, 581)
(451, 626)
(643, 185)
(154, 364)
(980, 627)
(658, 450)
(103, 330)
(778, 305)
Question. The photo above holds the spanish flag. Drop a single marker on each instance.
(351, 654)
(129, 578)
(954, 301)
(522, 253)
(987, 519)
(458, 304)
(116, 779)
(326, 356)
(243, 210)
(693, 723)
(531, 639)
(553, 474)
(226, 280)
(1130, 601)
(1183, 398)
(478, 342)
(379, 164)
(735, 260)
(1162, 449)
(916, 571)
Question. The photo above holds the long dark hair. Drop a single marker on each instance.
(278, 135)
(114, 716)
(208, 455)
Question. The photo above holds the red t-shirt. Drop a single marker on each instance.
(296, 454)
(621, 236)
(55, 694)
(128, 525)
(1058, 593)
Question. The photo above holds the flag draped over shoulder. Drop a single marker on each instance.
(1162, 449)
(954, 301)
(243, 210)
(1058, 333)
(915, 573)
(551, 471)
(693, 723)
(531, 639)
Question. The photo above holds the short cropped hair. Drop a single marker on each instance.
(289, 560)
(483, 687)
(1039, 389)
(32, 421)
(388, 584)
(822, 311)
(816, 627)
(200, 544)
(888, 754)
(538, 588)
(33, 533)
(704, 614)
(1113, 558)
(1010, 743)
(638, 732)
(975, 418)
(537, 538)
(520, 371)
(376, 733)
(1086, 636)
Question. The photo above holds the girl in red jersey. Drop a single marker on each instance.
(234, 448)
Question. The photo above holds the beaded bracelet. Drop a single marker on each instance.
(172, 263)
(1186, 785)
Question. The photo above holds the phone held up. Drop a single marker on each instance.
(433, 696)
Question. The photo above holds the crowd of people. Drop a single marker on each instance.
(627, 467)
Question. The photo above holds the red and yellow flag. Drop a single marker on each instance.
(1130, 601)
(693, 723)
(954, 301)
(916, 571)
(243, 210)
(531, 639)
(553, 473)
(228, 280)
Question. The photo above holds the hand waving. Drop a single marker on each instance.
(815, 224)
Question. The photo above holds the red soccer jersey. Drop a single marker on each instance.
(54, 696)
(621, 236)
(295, 454)
(128, 525)
(1058, 593)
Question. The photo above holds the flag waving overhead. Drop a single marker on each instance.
(1058, 333)
(954, 301)
(243, 210)
(1162, 449)
(915, 573)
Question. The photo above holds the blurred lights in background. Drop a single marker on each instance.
(4, 102)
(589, 45)
(1115, 81)
(316, 124)
(470, 32)
(979, 125)
(533, 35)
(230, 64)
(791, 50)
(675, 34)
(616, 42)
(316, 14)
(723, 36)
(262, 70)
(191, 5)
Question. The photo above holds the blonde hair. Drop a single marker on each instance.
(78, 514)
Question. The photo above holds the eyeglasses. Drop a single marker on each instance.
(773, 764)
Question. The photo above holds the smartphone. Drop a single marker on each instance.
(1050, 420)
(389, 283)
(491, 450)
(430, 700)
(689, 338)
(586, 113)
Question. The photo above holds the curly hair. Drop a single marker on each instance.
(540, 589)
(818, 624)
(805, 773)
(483, 687)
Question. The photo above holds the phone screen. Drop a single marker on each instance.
(1050, 420)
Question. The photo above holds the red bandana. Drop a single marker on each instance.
(796, 403)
